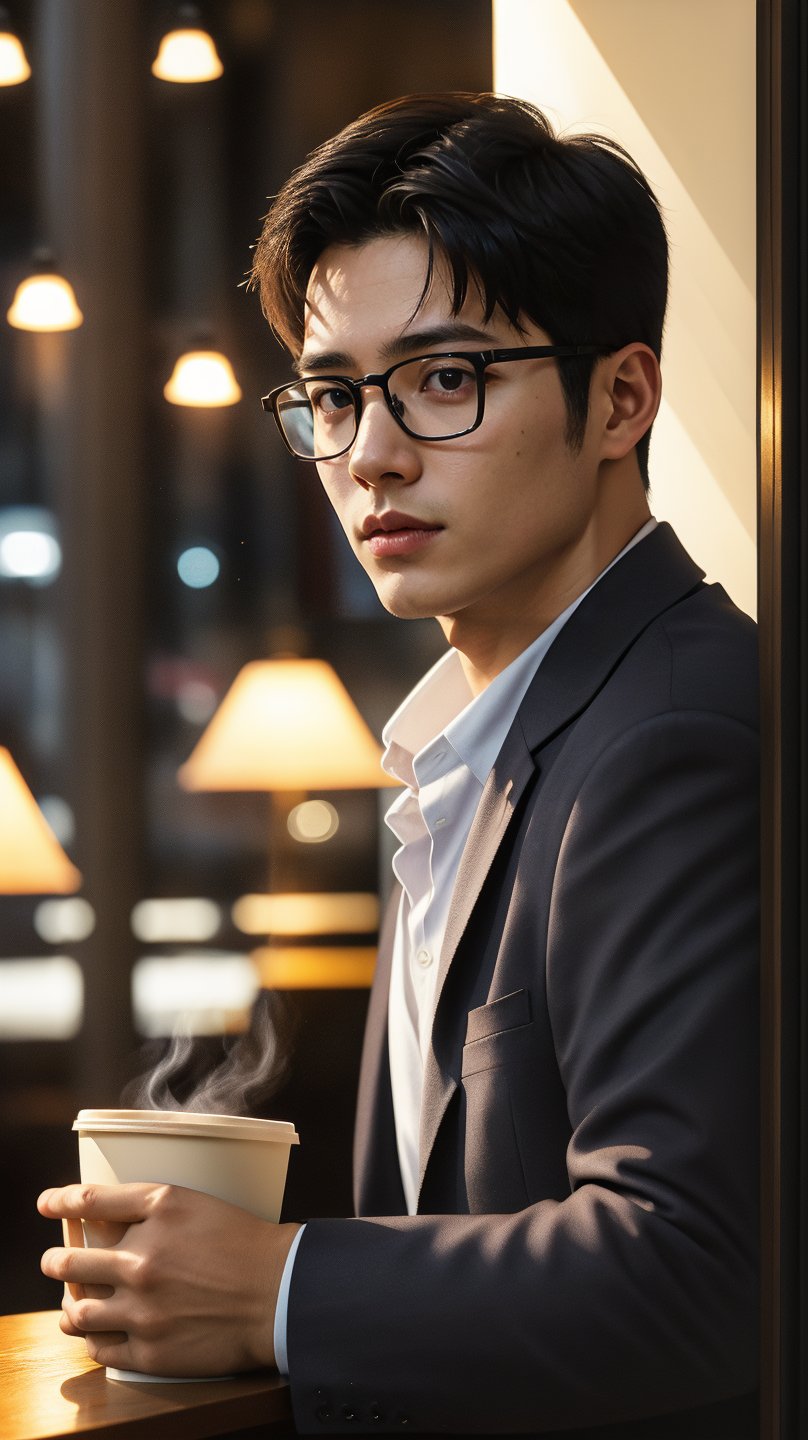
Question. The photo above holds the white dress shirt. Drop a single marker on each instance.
(441, 744)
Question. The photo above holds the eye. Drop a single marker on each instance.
(448, 379)
(329, 399)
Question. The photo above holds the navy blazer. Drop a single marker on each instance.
(584, 1253)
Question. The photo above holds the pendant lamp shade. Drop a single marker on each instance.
(45, 302)
(14, 67)
(32, 862)
(203, 379)
(187, 56)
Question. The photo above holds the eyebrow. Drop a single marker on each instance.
(414, 342)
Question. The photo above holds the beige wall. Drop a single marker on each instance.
(674, 81)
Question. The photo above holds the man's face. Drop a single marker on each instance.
(477, 531)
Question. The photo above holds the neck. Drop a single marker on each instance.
(488, 638)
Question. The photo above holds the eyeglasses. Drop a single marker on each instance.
(432, 397)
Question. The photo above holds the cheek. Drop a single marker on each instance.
(534, 438)
(540, 446)
(339, 489)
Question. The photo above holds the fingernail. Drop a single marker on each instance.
(42, 1202)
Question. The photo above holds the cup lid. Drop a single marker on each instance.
(186, 1122)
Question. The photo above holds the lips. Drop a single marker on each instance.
(394, 520)
(394, 535)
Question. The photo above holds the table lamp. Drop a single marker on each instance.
(289, 726)
(286, 725)
(32, 862)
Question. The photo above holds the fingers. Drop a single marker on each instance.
(94, 1317)
(93, 1322)
(112, 1349)
(193, 1279)
(120, 1204)
(106, 1347)
(83, 1267)
(68, 1328)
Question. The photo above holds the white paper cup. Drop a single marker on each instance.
(240, 1160)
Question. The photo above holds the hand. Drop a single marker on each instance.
(191, 1286)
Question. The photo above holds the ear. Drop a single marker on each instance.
(631, 391)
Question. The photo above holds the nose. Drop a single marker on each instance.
(382, 452)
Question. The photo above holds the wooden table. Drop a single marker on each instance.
(49, 1388)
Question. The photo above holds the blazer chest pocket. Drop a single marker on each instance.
(498, 1032)
(498, 1037)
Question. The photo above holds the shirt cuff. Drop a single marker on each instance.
(282, 1306)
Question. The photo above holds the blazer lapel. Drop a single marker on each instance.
(654, 575)
(378, 1189)
(504, 788)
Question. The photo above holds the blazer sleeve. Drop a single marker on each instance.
(636, 1294)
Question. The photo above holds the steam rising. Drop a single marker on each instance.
(232, 1075)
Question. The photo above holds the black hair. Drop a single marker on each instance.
(564, 231)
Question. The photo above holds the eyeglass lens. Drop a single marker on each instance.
(435, 397)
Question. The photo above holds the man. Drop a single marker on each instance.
(556, 1129)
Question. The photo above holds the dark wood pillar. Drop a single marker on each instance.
(90, 150)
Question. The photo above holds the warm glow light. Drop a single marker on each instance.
(285, 725)
(321, 967)
(204, 379)
(315, 913)
(592, 67)
(64, 922)
(32, 862)
(206, 994)
(187, 57)
(14, 67)
(41, 999)
(45, 302)
(158, 922)
(312, 822)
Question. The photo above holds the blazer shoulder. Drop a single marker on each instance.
(713, 656)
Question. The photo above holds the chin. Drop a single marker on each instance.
(406, 610)
(404, 606)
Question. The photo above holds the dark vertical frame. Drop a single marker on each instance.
(783, 567)
(92, 163)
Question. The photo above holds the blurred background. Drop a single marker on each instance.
(149, 550)
(154, 546)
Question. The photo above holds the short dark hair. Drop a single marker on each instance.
(562, 230)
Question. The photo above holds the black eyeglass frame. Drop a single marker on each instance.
(479, 359)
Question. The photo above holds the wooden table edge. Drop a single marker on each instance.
(50, 1389)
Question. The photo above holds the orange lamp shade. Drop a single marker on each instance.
(45, 302)
(286, 725)
(187, 56)
(32, 862)
(203, 379)
(14, 67)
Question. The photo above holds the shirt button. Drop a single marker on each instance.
(424, 959)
